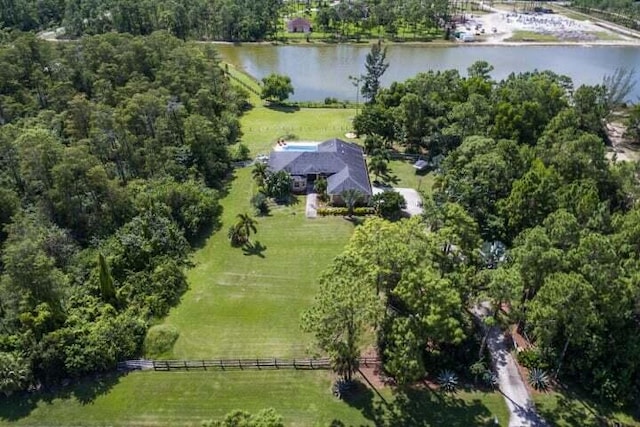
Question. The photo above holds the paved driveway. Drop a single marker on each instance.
(414, 201)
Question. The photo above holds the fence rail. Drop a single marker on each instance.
(234, 364)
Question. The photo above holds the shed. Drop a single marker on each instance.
(299, 25)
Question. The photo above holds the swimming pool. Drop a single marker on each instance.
(298, 146)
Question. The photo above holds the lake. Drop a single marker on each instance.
(323, 71)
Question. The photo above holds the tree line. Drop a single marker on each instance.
(623, 12)
(113, 154)
(527, 213)
(230, 20)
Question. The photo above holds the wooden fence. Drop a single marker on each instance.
(234, 364)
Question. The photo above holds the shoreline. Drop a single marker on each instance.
(441, 44)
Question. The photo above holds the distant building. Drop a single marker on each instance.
(299, 25)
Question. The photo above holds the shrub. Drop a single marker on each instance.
(341, 211)
(240, 153)
(531, 358)
(538, 379)
(160, 340)
(341, 387)
(490, 379)
(260, 202)
(448, 380)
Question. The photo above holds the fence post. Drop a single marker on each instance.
(311, 363)
(221, 365)
(294, 364)
(204, 366)
(186, 366)
(240, 364)
(153, 363)
(275, 362)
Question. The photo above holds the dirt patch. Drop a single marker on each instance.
(621, 147)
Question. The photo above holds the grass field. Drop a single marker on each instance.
(243, 304)
(303, 398)
(568, 409)
(531, 36)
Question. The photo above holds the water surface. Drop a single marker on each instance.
(323, 71)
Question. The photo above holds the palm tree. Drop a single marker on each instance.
(351, 197)
(378, 166)
(239, 232)
(259, 173)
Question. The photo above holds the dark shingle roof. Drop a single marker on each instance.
(342, 162)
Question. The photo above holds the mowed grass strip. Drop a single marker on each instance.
(249, 305)
(303, 398)
(262, 126)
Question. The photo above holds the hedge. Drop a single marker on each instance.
(363, 211)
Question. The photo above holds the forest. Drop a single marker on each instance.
(528, 214)
(229, 20)
(623, 12)
(113, 154)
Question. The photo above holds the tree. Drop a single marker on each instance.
(342, 311)
(389, 204)
(259, 173)
(550, 318)
(261, 203)
(240, 232)
(617, 87)
(278, 185)
(276, 88)
(351, 197)
(15, 373)
(378, 166)
(320, 187)
(480, 69)
(107, 289)
(376, 66)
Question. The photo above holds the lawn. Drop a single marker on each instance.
(407, 177)
(531, 36)
(569, 409)
(262, 126)
(248, 303)
(303, 398)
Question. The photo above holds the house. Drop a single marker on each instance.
(299, 25)
(341, 163)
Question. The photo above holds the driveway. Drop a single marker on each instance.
(521, 407)
(414, 201)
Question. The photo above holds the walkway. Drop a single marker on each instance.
(514, 390)
(312, 205)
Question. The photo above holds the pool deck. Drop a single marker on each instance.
(290, 145)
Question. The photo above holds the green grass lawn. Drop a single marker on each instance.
(407, 177)
(247, 305)
(262, 126)
(569, 409)
(303, 398)
(531, 36)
